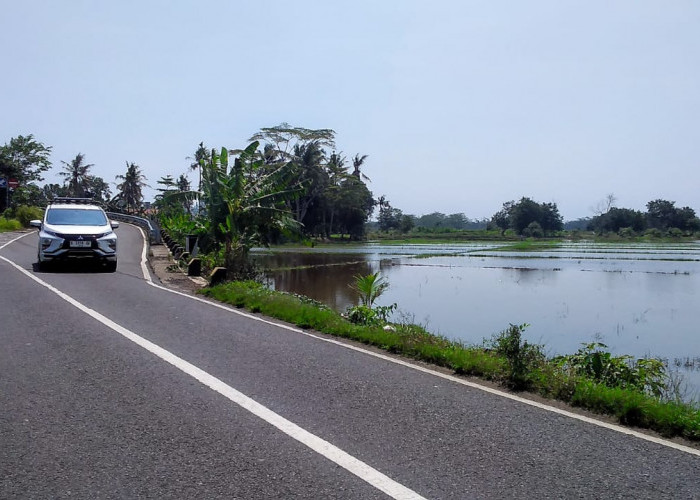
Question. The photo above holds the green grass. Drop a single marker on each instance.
(630, 407)
(7, 225)
(530, 245)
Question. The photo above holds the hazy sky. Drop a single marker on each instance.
(460, 105)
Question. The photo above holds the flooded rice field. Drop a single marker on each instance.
(639, 299)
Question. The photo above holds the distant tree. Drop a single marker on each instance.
(183, 183)
(687, 220)
(76, 173)
(328, 201)
(550, 219)
(307, 163)
(523, 213)
(616, 219)
(30, 195)
(304, 150)
(389, 218)
(432, 220)
(581, 224)
(201, 156)
(51, 191)
(408, 222)
(457, 221)
(604, 206)
(130, 189)
(501, 219)
(337, 172)
(518, 216)
(97, 188)
(23, 159)
(663, 215)
(357, 163)
(283, 138)
(355, 205)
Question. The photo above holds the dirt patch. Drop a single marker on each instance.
(167, 273)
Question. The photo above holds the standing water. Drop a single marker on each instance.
(639, 299)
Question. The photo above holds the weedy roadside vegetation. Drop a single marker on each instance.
(16, 218)
(9, 225)
(634, 391)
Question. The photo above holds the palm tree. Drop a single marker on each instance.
(130, 188)
(356, 164)
(201, 156)
(76, 174)
(370, 287)
(307, 162)
(337, 173)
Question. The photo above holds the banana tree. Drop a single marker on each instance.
(246, 201)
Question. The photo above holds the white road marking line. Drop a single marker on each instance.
(451, 378)
(15, 239)
(317, 444)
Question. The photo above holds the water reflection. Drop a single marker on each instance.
(640, 307)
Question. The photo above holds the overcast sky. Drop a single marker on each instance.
(461, 105)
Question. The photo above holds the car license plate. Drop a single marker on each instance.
(81, 244)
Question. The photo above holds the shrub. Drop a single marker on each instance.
(653, 233)
(534, 230)
(24, 214)
(180, 225)
(9, 225)
(522, 358)
(593, 361)
(626, 232)
(674, 232)
(365, 315)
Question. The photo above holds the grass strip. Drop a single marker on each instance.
(630, 407)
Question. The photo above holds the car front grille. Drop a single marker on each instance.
(78, 237)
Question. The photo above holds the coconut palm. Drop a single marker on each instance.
(201, 155)
(130, 189)
(370, 287)
(357, 162)
(76, 174)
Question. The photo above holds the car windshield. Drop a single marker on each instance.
(76, 217)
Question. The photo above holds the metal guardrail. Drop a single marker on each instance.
(153, 230)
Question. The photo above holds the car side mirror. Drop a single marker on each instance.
(114, 224)
(35, 223)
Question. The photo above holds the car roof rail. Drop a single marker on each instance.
(76, 201)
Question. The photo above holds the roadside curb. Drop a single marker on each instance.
(164, 268)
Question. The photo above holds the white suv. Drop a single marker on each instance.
(76, 228)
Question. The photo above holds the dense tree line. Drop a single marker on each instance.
(24, 159)
(333, 198)
(528, 218)
(393, 219)
(288, 182)
(661, 215)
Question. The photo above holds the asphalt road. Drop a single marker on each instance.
(111, 387)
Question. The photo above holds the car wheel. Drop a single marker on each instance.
(111, 267)
(41, 266)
